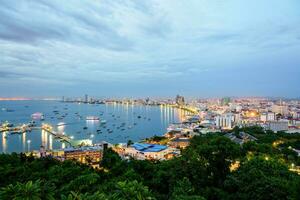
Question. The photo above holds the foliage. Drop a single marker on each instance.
(201, 172)
(260, 179)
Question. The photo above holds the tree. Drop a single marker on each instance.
(28, 191)
(83, 183)
(110, 159)
(217, 153)
(133, 190)
(262, 179)
(87, 196)
(129, 142)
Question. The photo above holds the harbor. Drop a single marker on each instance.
(67, 124)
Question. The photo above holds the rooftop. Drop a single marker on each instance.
(144, 147)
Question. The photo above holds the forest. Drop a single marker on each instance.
(205, 170)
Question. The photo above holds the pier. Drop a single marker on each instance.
(18, 129)
(28, 128)
(48, 128)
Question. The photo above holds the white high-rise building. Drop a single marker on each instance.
(225, 121)
(278, 126)
(266, 117)
(271, 116)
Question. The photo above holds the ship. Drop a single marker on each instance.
(93, 118)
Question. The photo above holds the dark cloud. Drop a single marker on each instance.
(75, 26)
(18, 27)
(8, 74)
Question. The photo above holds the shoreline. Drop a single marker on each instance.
(125, 141)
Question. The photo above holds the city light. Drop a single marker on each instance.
(266, 158)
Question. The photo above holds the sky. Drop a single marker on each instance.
(156, 48)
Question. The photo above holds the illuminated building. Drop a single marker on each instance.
(86, 155)
(179, 100)
(179, 142)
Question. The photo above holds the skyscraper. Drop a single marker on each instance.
(86, 98)
(225, 101)
(179, 100)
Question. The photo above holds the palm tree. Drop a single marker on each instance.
(24, 191)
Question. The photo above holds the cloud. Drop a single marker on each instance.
(6, 74)
(137, 42)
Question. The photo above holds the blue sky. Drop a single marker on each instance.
(197, 48)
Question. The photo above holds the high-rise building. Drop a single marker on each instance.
(225, 101)
(269, 116)
(179, 100)
(280, 109)
(225, 121)
(86, 98)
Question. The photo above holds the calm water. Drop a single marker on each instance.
(153, 121)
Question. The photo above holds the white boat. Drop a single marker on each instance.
(94, 118)
(61, 124)
(103, 121)
(37, 116)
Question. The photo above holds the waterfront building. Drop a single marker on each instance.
(86, 98)
(87, 155)
(180, 100)
(142, 151)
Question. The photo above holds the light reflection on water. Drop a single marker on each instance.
(4, 135)
(154, 120)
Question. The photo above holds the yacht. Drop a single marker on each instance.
(92, 118)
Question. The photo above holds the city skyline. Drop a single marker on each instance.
(152, 48)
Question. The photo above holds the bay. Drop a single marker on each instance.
(123, 122)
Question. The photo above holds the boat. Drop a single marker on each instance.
(92, 118)
(37, 116)
(103, 121)
(15, 132)
(61, 124)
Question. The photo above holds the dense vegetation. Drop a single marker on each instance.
(202, 172)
